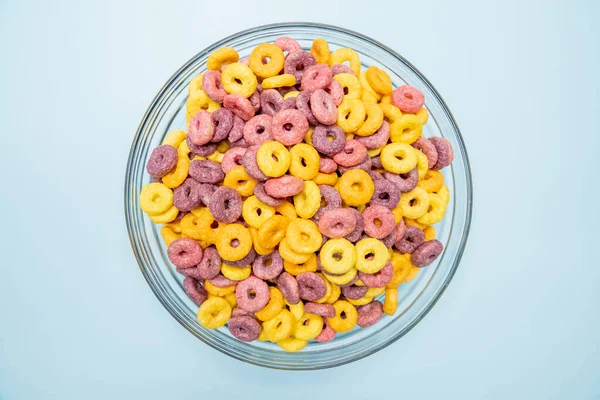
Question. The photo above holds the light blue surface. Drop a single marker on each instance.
(520, 319)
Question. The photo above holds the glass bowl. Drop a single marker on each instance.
(416, 298)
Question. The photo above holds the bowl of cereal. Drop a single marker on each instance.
(298, 196)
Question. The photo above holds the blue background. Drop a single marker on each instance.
(520, 319)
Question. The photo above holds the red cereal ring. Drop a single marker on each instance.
(354, 292)
(341, 69)
(195, 290)
(428, 148)
(201, 128)
(378, 139)
(239, 105)
(385, 194)
(408, 99)
(223, 121)
(311, 286)
(379, 279)
(337, 223)
(244, 262)
(201, 150)
(251, 165)
(353, 153)
(427, 253)
(252, 294)
(328, 139)
(336, 91)
(184, 253)
(162, 160)
(284, 186)
(327, 334)
(237, 131)
(288, 286)
(226, 205)
(232, 158)
(378, 230)
(404, 182)
(261, 194)
(287, 44)
(303, 104)
(413, 237)
(322, 310)
(323, 108)
(258, 129)
(330, 199)
(356, 234)
(210, 266)
(268, 266)
(289, 127)
(186, 196)
(444, 151)
(297, 62)
(213, 86)
(271, 102)
(244, 328)
(221, 281)
(327, 165)
(369, 314)
(206, 171)
(316, 77)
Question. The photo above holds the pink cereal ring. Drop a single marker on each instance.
(327, 165)
(297, 62)
(369, 314)
(322, 310)
(287, 44)
(408, 99)
(353, 153)
(239, 105)
(261, 194)
(400, 229)
(232, 158)
(303, 104)
(323, 107)
(210, 266)
(252, 294)
(284, 186)
(258, 129)
(268, 266)
(428, 148)
(289, 127)
(289, 288)
(195, 290)
(336, 91)
(185, 253)
(444, 151)
(255, 101)
(211, 84)
(237, 131)
(201, 128)
(316, 77)
(341, 69)
(337, 222)
(327, 334)
(427, 253)
(378, 139)
(379, 279)
(384, 227)
(244, 328)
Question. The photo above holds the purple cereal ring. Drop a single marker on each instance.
(240, 143)
(162, 160)
(329, 139)
(252, 294)
(206, 171)
(210, 266)
(375, 175)
(444, 152)
(378, 139)
(289, 127)
(341, 69)
(386, 194)
(251, 165)
(244, 328)
(379, 279)
(284, 186)
(261, 194)
(288, 286)
(408, 99)
(386, 224)
(427, 148)
(191, 272)
(289, 104)
(287, 44)
(268, 266)
(205, 191)
(413, 237)
(337, 223)
(237, 131)
(286, 89)
(323, 108)
(303, 105)
(195, 290)
(186, 196)
(232, 158)
(353, 153)
(390, 239)
(327, 334)
(212, 85)
(201, 150)
(354, 292)
(201, 128)
(239, 105)
(244, 262)
(298, 62)
(222, 281)
(369, 314)
(322, 310)
(223, 121)
(255, 101)
(240, 312)
(405, 182)
(356, 234)
(226, 205)
(316, 77)
(365, 166)
(427, 253)
(376, 163)
(258, 129)
(185, 253)
(336, 91)
(156, 179)
(271, 102)
(311, 286)
(330, 197)
(327, 165)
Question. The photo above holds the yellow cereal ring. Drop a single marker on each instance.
(272, 231)
(262, 251)
(176, 177)
(432, 181)
(356, 187)
(214, 313)
(217, 156)
(390, 112)
(435, 212)
(293, 93)
(326, 179)
(255, 212)
(373, 121)
(175, 226)
(374, 292)
(287, 210)
(195, 84)
(174, 138)
(368, 97)
(327, 292)
(218, 291)
(320, 51)
(296, 309)
(374, 152)
(379, 80)
(346, 322)
(335, 293)
(342, 55)
(263, 335)
(308, 137)
(235, 273)
(398, 158)
(423, 115)
(296, 269)
(406, 129)
(350, 85)
(401, 267)
(273, 307)
(283, 80)
(223, 56)
(342, 279)
(308, 201)
(165, 217)
(231, 299)
(238, 78)
(351, 114)
(273, 159)
(238, 179)
(308, 327)
(429, 233)
(292, 344)
(261, 53)
(386, 99)
(183, 151)
(207, 227)
(225, 242)
(304, 161)
(338, 256)
(444, 193)
(168, 235)
(397, 212)
(290, 255)
(390, 305)
(199, 101)
(280, 327)
(422, 164)
(155, 198)
(303, 236)
(362, 301)
(413, 222)
(414, 203)
(223, 147)
(366, 87)
(371, 255)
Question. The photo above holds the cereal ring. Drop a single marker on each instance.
(356, 234)
(205, 191)
(342, 55)
(330, 199)
(235, 273)
(429, 233)
(220, 281)
(271, 102)
(303, 105)
(435, 212)
(311, 286)
(165, 217)
(320, 50)
(210, 265)
(205, 171)
(237, 131)
(371, 255)
(185, 253)
(226, 205)
(287, 44)
(239, 105)
(220, 57)
(244, 328)
(337, 256)
(201, 128)
(281, 327)
(162, 160)
(273, 307)
(195, 85)
(308, 326)
(252, 294)
(246, 261)
(398, 158)
(379, 279)
(195, 290)
(444, 151)
(288, 285)
(303, 236)
(408, 99)
(405, 182)
(351, 114)
(186, 197)
(356, 187)
(391, 112)
(203, 150)
(365, 165)
(377, 139)
(415, 203)
(233, 242)
(379, 80)
(336, 91)
(239, 79)
(214, 313)
(329, 139)
(297, 62)
(304, 161)
(273, 159)
(322, 310)
(426, 253)
(345, 317)
(255, 212)
(232, 158)
(354, 292)
(279, 81)
(258, 129)
(268, 266)
(289, 127)
(212, 85)
(289, 104)
(284, 186)
(223, 122)
(272, 231)
(379, 221)
(168, 235)
(255, 101)
(390, 305)
(428, 148)
(316, 77)
(199, 101)
(326, 179)
(386, 194)
(308, 201)
(251, 165)
(261, 194)
(349, 278)
(390, 239)
(369, 314)
(374, 174)
(350, 86)
(266, 60)
(323, 107)
(406, 129)
(287, 210)
(373, 121)
(257, 247)
(337, 223)
(413, 237)
(327, 334)
(155, 198)
(239, 312)
(341, 69)
(327, 165)
(353, 153)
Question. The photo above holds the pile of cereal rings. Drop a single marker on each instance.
(302, 191)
